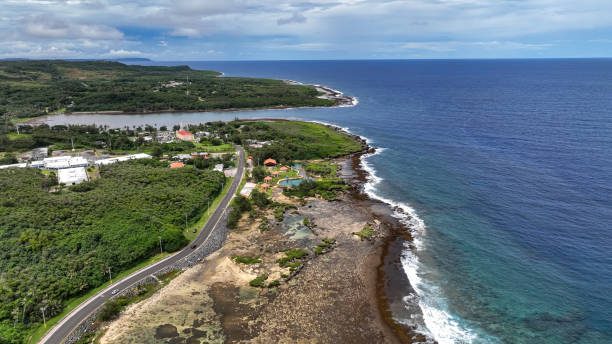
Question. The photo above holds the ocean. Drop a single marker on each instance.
(505, 170)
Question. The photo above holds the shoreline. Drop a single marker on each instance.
(387, 273)
(337, 96)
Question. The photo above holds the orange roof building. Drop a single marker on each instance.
(275, 173)
(270, 162)
(250, 157)
(284, 168)
(268, 178)
(265, 186)
(177, 164)
(184, 135)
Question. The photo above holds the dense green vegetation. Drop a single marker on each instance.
(57, 245)
(296, 141)
(259, 281)
(32, 88)
(326, 188)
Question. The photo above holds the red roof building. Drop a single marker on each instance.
(268, 178)
(270, 162)
(265, 186)
(275, 173)
(184, 135)
(284, 168)
(177, 164)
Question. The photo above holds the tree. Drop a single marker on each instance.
(259, 173)
(157, 151)
(260, 199)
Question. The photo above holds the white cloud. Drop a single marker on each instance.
(124, 53)
(43, 26)
(295, 18)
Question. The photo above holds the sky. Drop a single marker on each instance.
(183, 30)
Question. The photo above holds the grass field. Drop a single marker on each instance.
(326, 140)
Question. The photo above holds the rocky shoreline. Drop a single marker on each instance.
(341, 291)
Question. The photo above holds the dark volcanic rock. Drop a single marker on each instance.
(166, 331)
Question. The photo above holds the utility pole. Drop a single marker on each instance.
(42, 309)
(110, 277)
(25, 302)
(160, 245)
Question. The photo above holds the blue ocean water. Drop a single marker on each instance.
(507, 167)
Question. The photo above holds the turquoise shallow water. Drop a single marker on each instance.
(506, 166)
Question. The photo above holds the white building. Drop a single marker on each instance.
(122, 158)
(72, 176)
(59, 162)
(218, 167)
(12, 165)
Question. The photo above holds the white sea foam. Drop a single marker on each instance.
(438, 323)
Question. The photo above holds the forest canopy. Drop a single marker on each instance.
(33, 88)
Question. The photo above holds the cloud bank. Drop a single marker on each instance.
(264, 29)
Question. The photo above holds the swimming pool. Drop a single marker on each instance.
(290, 182)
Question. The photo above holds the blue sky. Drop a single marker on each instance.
(308, 29)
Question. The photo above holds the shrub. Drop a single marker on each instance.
(290, 256)
(259, 281)
(366, 232)
(246, 260)
(273, 284)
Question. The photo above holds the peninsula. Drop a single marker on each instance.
(37, 88)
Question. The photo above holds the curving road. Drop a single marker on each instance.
(64, 327)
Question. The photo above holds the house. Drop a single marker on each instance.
(184, 135)
(270, 162)
(72, 176)
(177, 164)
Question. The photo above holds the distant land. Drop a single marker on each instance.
(30, 88)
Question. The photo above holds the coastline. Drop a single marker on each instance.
(337, 96)
(340, 294)
(391, 283)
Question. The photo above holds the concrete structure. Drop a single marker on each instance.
(247, 189)
(60, 162)
(12, 165)
(109, 161)
(72, 176)
(40, 153)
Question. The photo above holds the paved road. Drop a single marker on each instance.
(62, 329)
